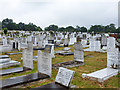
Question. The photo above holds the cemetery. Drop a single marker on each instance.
(81, 61)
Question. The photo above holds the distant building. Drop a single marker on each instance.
(119, 14)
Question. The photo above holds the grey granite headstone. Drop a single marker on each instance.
(64, 76)
(44, 63)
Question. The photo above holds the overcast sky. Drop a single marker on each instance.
(60, 12)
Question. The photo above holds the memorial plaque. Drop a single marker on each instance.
(64, 76)
(44, 63)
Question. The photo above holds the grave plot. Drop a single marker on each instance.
(27, 62)
(44, 71)
(5, 62)
(22, 79)
(101, 75)
(78, 58)
(113, 59)
(65, 51)
(63, 80)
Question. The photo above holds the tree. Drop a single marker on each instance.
(5, 30)
(83, 29)
(69, 29)
(61, 29)
(8, 23)
(52, 27)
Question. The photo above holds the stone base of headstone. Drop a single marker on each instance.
(101, 75)
(66, 53)
(58, 46)
(66, 45)
(6, 83)
(67, 64)
(38, 48)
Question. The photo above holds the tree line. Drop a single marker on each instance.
(10, 25)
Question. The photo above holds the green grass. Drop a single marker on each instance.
(97, 62)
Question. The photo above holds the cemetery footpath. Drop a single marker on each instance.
(93, 61)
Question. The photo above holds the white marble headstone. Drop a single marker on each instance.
(64, 76)
(44, 63)
(78, 52)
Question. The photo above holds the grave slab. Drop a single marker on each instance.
(102, 74)
(4, 60)
(10, 63)
(4, 56)
(9, 71)
(13, 53)
(22, 79)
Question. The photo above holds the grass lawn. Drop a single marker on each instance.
(96, 62)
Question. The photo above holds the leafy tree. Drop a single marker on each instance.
(83, 29)
(5, 30)
(61, 29)
(52, 27)
(69, 29)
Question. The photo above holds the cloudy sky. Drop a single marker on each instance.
(60, 12)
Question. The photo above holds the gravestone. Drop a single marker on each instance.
(71, 42)
(64, 76)
(78, 52)
(113, 58)
(62, 81)
(66, 42)
(110, 43)
(44, 63)
(104, 40)
(4, 39)
(84, 42)
(40, 44)
(94, 45)
(28, 56)
(48, 49)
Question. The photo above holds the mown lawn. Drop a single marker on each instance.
(96, 62)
